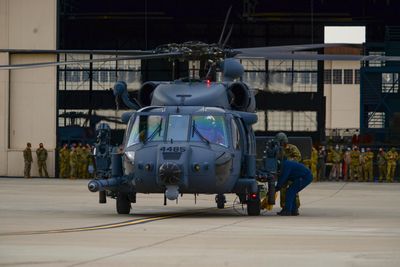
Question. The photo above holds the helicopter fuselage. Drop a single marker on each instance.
(187, 149)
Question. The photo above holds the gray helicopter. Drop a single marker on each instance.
(192, 137)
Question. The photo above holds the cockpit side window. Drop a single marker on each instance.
(235, 135)
(178, 126)
(146, 128)
(209, 128)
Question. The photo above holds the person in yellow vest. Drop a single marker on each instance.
(368, 165)
(290, 152)
(41, 154)
(314, 161)
(64, 162)
(355, 164)
(336, 157)
(392, 156)
(321, 165)
(382, 166)
(28, 160)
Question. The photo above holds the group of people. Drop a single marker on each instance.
(353, 164)
(76, 161)
(41, 155)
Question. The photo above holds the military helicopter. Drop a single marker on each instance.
(190, 136)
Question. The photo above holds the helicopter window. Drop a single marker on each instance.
(146, 128)
(211, 129)
(178, 126)
(235, 135)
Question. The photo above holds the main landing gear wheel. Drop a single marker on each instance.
(253, 204)
(220, 200)
(123, 203)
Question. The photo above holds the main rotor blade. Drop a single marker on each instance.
(304, 56)
(80, 51)
(227, 36)
(50, 64)
(292, 48)
(223, 29)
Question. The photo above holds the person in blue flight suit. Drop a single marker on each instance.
(300, 176)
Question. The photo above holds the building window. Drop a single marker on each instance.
(390, 82)
(254, 75)
(348, 76)
(337, 76)
(292, 76)
(376, 119)
(301, 121)
(357, 76)
(260, 125)
(327, 76)
(279, 120)
(305, 121)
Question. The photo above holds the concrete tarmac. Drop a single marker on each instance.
(56, 222)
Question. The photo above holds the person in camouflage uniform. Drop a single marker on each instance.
(392, 156)
(381, 157)
(368, 165)
(354, 164)
(84, 164)
(336, 157)
(290, 152)
(91, 167)
(314, 162)
(79, 160)
(41, 154)
(28, 160)
(73, 162)
(64, 162)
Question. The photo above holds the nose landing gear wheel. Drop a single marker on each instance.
(123, 203)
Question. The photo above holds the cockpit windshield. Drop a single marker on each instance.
(178, 126)
(147, 128)
(205, 128)
(209, 128)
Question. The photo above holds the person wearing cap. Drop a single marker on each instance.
(314, 162)
(41, 154)
(64, 162)
(354, 164)
(368, 165)
(382, 164)
(392, 157)
(27, 160)
(73, 162)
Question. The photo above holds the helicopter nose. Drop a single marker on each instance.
(170, 173)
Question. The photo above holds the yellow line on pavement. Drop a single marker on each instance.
(108, 226)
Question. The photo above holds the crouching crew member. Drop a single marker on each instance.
(299, 176)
